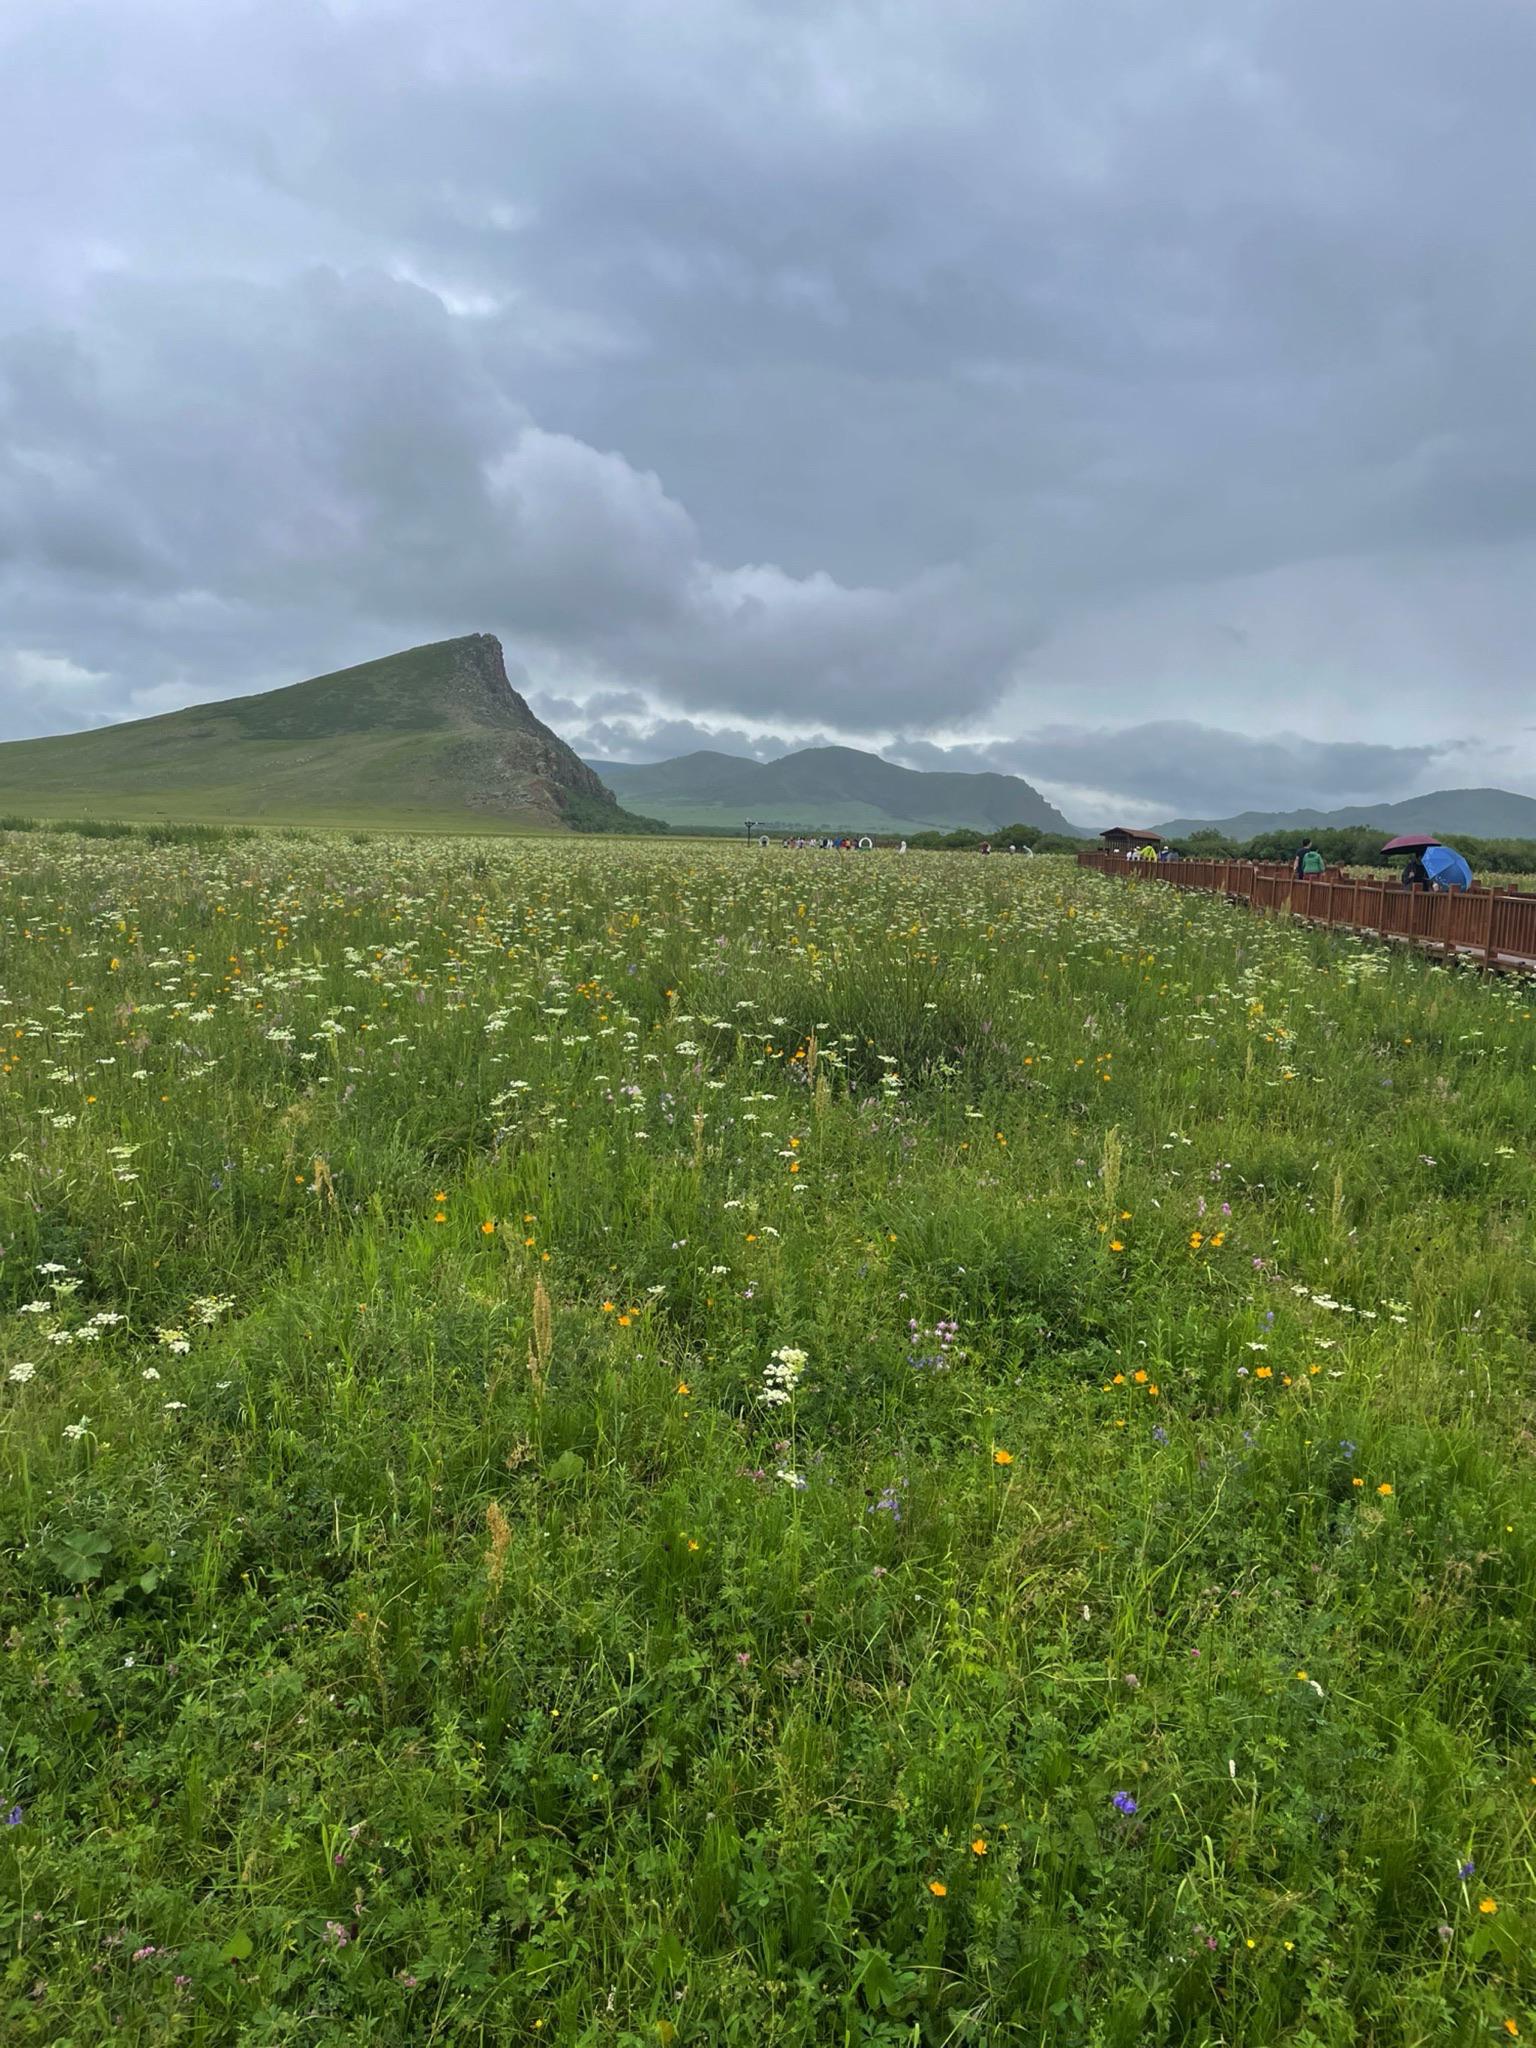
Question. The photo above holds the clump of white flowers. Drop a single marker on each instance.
(781, 1376)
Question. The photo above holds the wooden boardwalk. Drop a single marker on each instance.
(1493, 928)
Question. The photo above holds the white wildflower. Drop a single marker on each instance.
(21, 1371)
(781, 1375)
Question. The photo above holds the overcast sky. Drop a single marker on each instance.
(1136, 396)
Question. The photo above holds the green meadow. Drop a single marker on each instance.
(642, 1444)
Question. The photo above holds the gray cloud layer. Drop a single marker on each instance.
(1076, 385)
(1177, 764)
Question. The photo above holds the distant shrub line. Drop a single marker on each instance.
(584, 816)
(1357, 846)
(1344, 846)
(1348, 846)
(153, 835)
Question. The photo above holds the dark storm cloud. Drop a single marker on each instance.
(786, 369)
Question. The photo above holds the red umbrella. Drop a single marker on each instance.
(1411, 842)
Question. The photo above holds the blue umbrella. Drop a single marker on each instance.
(1446, 868)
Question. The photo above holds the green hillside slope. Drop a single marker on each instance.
(432, 738)
(826, 789)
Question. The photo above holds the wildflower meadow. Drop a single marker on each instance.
(643, 1443)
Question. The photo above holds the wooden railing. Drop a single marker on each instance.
(1496, 927)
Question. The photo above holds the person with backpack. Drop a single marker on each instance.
(1309, 862)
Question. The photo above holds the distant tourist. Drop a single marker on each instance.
(1415, 874)
(1308, 861)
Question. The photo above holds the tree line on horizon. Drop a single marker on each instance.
(1350, 846)
(1355, 846)
(1345, 846)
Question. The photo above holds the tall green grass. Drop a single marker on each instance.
(421, 1623)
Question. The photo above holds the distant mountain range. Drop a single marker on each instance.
(1480, 813)
(434, 738)
(831, 789)
(824, 789)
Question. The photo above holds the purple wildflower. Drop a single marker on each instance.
(1123, 1803)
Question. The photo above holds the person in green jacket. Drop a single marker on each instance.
(1309, 861)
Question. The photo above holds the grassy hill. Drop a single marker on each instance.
(1481, 813)
(825, 789)
(434, 738)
